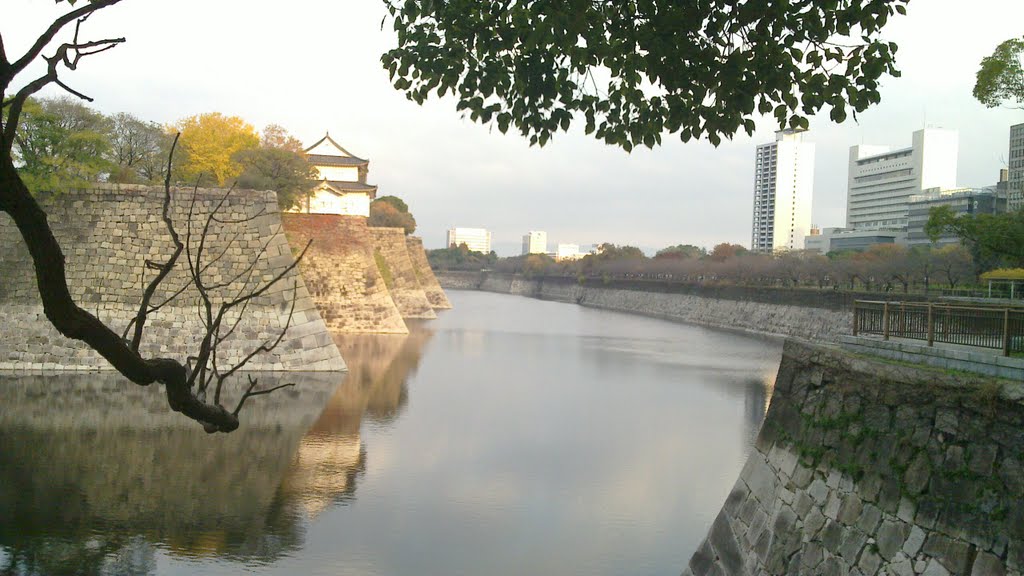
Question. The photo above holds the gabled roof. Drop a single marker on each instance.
(342, 152)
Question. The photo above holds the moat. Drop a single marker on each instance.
(510, 436)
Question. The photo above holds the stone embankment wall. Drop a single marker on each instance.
(811, 315)
(109, 233)
(426, 276)
(864, 467)
(392, 255)
(341, 273)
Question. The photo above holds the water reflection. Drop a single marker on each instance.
(97, 477)
(330, 457)
(512, 437)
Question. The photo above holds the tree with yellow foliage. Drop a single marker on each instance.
(209, 143)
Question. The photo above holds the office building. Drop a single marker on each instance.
(569, 252)
(476, 239)
(783, 186)
(961, 200)
(535, 242)
(1015, 177)
(882, 180)
(846, 240)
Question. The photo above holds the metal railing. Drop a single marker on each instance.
(1001, 328)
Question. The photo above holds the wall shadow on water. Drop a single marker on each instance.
(97, 476)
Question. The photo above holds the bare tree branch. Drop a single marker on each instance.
(46, 37)
(250, 393)
(165, 269)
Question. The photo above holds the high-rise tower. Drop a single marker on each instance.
(783, 186)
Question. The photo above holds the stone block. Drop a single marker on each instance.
(724, 543)
(954, 555)
(986, 564)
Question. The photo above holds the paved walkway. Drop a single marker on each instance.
(987, 361)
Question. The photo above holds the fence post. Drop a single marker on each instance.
(1006, 332)
(931, 326)
(903, 321)
(856, 318)
(885, 320)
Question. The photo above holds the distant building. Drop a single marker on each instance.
(1015, 179)
(569, 252)
(535, 242)
(816, 241)
(844, 239)
(960, 200)
(783, 186)
(342, 188)
(476, 239)
(881, 180)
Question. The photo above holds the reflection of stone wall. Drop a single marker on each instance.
(108, 233)
(94, 454)
(331, 457)
(426, 276)
(341, 274)
(863, 467)
(406, 291)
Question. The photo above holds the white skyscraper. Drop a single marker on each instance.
(882, 180)
(535, 242)
(783, 186)
(1015, 196)
(476, 239)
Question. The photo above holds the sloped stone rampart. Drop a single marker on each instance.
(342, 275)
(426, 276)
(868, 468)
(391, 249)
(777, 316)
(108, 233)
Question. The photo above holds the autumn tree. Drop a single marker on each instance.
(210, 145)
(724, 251)
(1000, 78)
(634, 71)
(385, 215)
(953, 263)
(391, 212)
(277, 164)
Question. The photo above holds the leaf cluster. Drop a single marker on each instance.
(634, 70)
(993, 238)
(1000, 78)
(391, 212)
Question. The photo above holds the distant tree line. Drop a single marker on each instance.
(461, 258)
(61, 143)
(883, 267)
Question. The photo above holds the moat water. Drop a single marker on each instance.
(510, 436)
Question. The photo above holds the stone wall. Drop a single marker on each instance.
(109, 233)
(770, 313)
(392, 255)
(426, 276)
(865, 467)
(341, 273)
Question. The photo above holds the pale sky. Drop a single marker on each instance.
(314, 65)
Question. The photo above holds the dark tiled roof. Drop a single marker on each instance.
(342, 186)
(325, 160)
